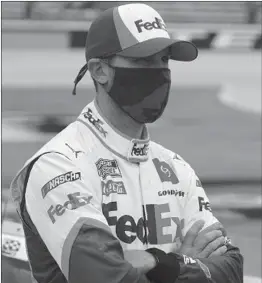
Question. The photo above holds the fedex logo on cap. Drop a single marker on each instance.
(139, 22)
(157, 24)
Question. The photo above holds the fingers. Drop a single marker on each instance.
(202, 240)
(215, 226)
(220, 251)
(193, 232)
(213, 246)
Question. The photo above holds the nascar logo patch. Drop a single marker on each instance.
(59, 180)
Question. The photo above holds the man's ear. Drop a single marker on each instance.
(98, 71)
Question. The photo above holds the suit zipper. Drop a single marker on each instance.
(143, 208)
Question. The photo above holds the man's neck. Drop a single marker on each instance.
(115, 115)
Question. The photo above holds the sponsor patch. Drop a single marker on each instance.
(144, 26)
(10, 247)
(76, 152)
(106, 167)
(158, 228)
(178, 157)
(74, 201)
(198, 183)
(188, 260)
(165, 172)
(59, 180)
(140, 149)
(203, 204)
(111, 187)
(171, 192)
(96, 122)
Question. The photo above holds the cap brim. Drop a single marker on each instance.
(179, 50)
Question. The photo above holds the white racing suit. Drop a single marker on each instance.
(91, 193)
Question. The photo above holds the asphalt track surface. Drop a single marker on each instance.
(223, 146)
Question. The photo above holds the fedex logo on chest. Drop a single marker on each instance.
(156, 24)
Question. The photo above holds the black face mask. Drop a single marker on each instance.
(142, 93)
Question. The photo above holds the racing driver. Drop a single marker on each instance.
(101, 202)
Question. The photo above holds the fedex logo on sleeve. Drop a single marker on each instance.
(74, 201)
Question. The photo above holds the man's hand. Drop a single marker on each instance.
(215, 247)
(209, 242)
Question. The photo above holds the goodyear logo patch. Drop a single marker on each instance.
(59, 180)
(171, 192)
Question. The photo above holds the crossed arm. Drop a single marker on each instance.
(214, 260)
(89, 239)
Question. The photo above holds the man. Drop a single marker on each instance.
(101, 202)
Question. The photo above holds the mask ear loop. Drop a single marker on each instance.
(83, 71)
(79, 77)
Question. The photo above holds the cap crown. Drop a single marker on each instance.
(121, 27)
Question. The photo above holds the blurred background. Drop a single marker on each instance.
(213, 119)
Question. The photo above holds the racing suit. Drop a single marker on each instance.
(92, 193)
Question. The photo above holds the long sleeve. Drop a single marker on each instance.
(227, 268)
(217, 269)
(66, 211)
